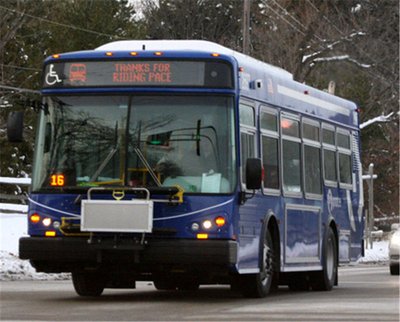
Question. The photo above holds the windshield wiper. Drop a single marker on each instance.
(103, 164)
(147, 165)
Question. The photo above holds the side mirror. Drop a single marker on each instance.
(15, 127)
(254, 173)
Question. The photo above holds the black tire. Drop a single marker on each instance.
(164, 285)
(88, 283)
(259, 285)
(394, 269)
(188, 285)
(326, 279)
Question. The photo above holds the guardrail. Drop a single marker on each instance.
(13, 207)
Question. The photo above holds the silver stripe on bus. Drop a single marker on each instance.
(195, 212)
(312, 100)
(53, 209)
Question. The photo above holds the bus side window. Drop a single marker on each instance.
(329, 155)
(291, 155)
(344, 155)
(312, 158)
(247, 136)
(270, 147)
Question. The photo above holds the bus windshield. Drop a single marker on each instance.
(138, 141)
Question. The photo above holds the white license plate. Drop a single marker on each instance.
(117, 216)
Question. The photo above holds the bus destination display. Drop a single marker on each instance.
(138, 73)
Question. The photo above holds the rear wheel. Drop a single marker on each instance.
(259, 285)
(394, 269)
(88, 283)
(325, 279)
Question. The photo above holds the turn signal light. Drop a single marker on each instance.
(35, 218)
(202, 236)
(56, 56)
(133, 53)
(109, 53)
(158, 53)
(215, 54)
(220, 221)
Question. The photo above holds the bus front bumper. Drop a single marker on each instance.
(63, 254)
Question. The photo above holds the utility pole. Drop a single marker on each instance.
(246, 27)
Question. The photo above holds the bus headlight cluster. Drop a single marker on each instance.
(36, 218)
(208, 224)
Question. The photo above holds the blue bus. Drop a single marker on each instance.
(187, 163)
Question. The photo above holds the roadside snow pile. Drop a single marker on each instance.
(13, 227)
(12, 269)
(378, 253)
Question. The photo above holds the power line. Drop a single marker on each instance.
(284, 19)
(294, 19)
(60, 24)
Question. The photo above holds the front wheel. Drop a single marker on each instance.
(88, 283)
(325, 279)
(259, 285)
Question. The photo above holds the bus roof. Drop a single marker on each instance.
(190, 45)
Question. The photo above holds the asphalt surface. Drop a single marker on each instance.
(365, 293)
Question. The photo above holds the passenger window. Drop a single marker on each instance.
(247, 115)
(269, 122)
(343, 140)
(290, 127)
(312, 170)
(270, 162)
(330, 165)
(291, 166)
(345, 168)
(344, 152)
(328, 136)
(310, 132)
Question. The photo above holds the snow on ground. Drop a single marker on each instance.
(14, 226)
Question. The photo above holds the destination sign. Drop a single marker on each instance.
(138, 73)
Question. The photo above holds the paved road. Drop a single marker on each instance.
(365, 293)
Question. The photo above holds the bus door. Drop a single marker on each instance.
(249, 221)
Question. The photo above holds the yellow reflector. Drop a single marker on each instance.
(202, 236)
(134, 53)
(215, 55)
(109, 53)
(35, 218)
(158, 53)
(220, 221)
(56, 56)
(50, 233)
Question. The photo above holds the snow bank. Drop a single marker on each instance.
(378, 253)
(12, 269)
(12, 228)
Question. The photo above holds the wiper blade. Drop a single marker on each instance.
(103, 164)
(147, 165)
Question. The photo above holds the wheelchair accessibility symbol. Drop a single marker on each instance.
(52, 77)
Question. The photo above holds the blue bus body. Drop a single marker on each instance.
(301, 214)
